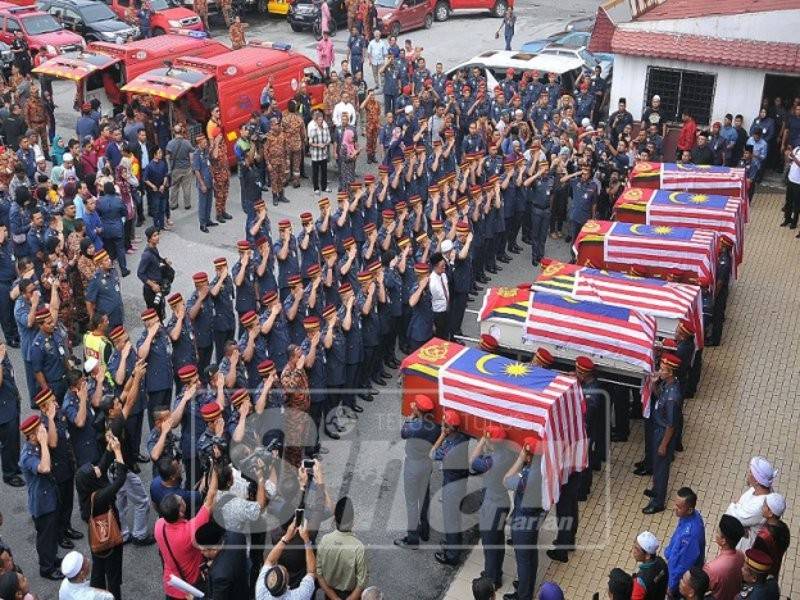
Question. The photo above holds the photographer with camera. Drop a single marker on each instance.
(273, 579)
(155, 273)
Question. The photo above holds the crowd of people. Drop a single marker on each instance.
(240, 377)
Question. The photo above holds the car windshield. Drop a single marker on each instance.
(97, 12)
(388, 3)
(160, 5)
(38, 24)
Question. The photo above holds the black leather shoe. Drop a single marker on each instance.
(384, 374)
(145, 541)
(13, 343)
(228, 216)
(643, 472)
(649, 493)
(482, 279)
(478, 288)
(220, 218)
(639, 465)
(141, 458)
(652, 509)
(504, 259)
(499, 268)
(785, 223)
(66, 544)
(212, 223)
(679, 448)
(441, 558)
(73, 534)
(15, 481)
(392, 364)
(54, 575)
(331, 434)
(365, 397)
(558, 555)
(125, 272)
(404, 543)
(203, 228)
(492, 270)
(357, 408)
(424, 534)
(511, 596)
(619, 438)
(379, 381)
(515, 250)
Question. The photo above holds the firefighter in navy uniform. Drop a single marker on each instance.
(492, 458)
(155, 348)
(103, 293)
(539, 189)
(691, 358)
(9, 422)
(420, 433)
(525, 481)
(179, 328)
(48, 353)
(596, 420)
(451, 449)
(212, 444)
(200, 309)
(666, 417)
(222, 296)
(37, 468)
(63, 463)
(723, 274)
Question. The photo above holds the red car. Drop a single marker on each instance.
(397, 16)
(46, 37)
(165, 16)
(442, 9)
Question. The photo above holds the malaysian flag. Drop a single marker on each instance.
(661, 246)
(591, 328)
(546, 403)
(708, 178)
(654, 297)
(723, 214)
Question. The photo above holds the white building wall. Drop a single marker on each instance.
(736, 91)
(769, 26)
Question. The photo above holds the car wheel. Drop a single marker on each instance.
(395, 29)
(500, 8)
(296, 28)
(429, 21)
(442, 11)
(158, 31)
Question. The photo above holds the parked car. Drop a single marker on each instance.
(46, 37)
(591, 60)
(90, 19)
(493, 65)
(397, 16)
(165, 17)
(304, 13)
(442, 9)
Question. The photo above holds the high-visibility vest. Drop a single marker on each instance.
(96, 346)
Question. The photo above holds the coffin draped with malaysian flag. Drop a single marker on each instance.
(490, 389)
(674, 253)
(706, 179)
(723, 214)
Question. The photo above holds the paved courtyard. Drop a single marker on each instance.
(746, 404)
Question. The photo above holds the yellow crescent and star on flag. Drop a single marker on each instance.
(513, 369)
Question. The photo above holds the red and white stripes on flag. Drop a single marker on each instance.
(697, 253)
(728, 222)
(552, 412)
(716, 179)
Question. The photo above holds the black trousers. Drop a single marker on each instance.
(47, 540)
(150, 301)
(567, 512)
(791, 208)
(441, 325)
(317, 413)
(620, 400)
(66, 500)
(368, 366)
(203, 360)
(107, 571)
(352, 380)
(156, 400)
(390, 338)
(319, 174)
(133, 429)
(7, 320)
(9, 447)
(457, 308)
(220, 337)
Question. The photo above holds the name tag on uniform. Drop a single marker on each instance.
(61, 350)
(116, 288)
(547, 193)
(586, 196)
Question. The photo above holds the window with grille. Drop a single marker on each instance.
(682, 90)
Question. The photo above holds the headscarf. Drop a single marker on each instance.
(86, 483)
(550, 591)
(348, 142)
(762, 471)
